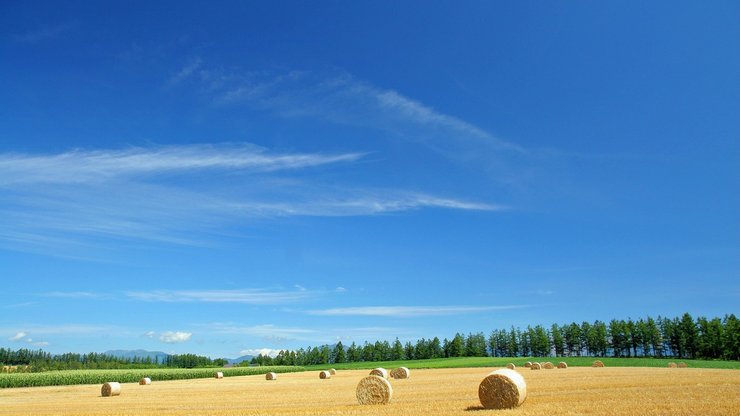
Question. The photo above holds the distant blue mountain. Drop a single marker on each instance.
(157, 356)
(160, 356)
(246, 358)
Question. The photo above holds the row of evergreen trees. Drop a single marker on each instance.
(684, 337)
(39, 360)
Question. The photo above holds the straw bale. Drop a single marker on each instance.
(374, 390)
(110, 388)
(502, 389)
(381, 372)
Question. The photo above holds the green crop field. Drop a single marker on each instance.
(463, 362)
(69, 377)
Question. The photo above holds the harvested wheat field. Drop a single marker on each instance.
(578, 391)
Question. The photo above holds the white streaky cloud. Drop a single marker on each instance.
(76, 204)
(267, 332)
(411, 311)
(18, 337)
(246, 296)
(98, 166)
(170, 337)
(186, 72)
(342, 99)
(260, 351)
(72, 295)
(150, 334)
(280, 335)
(45, 33)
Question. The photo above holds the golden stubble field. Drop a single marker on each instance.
(573, 391)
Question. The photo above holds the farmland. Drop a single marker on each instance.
(462, 362)
(70, 377)
(580, 390)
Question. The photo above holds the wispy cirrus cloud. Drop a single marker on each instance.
(99, 166)
(338, 97)
(44, 33)
(245, 296)
(280, 335)
(72, 202)
(74, 295)
(411, 311)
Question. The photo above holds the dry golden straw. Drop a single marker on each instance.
(502, 389)
(528, 364)
(672, 365)
(535, 366)
(510, 366)
(374, 390)
(597, 363)
(324, 375)
(270, 376)
(110, 388)
(332, 371)
(219, 375)
(145, 381)
(562, 364)
(682, 365)
(400, 372)
(548, 366)
(381, 372)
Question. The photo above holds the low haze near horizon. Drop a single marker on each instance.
(253, 176)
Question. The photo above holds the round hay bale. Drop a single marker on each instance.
(400, 372)
(562, 364)
(511, 366)
(528, 364)
(597, 363)
(110, 388)
(548, 366)
(374, 390)
(145, 381)
(219, 375)
(271, 376)
(502, 389)
(682, 365)
(672, 365)
(380, 372)
(332, 371)
(324, 375)
(535, 366)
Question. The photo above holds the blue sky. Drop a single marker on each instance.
(233, 177)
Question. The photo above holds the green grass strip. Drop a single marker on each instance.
(70, 377)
